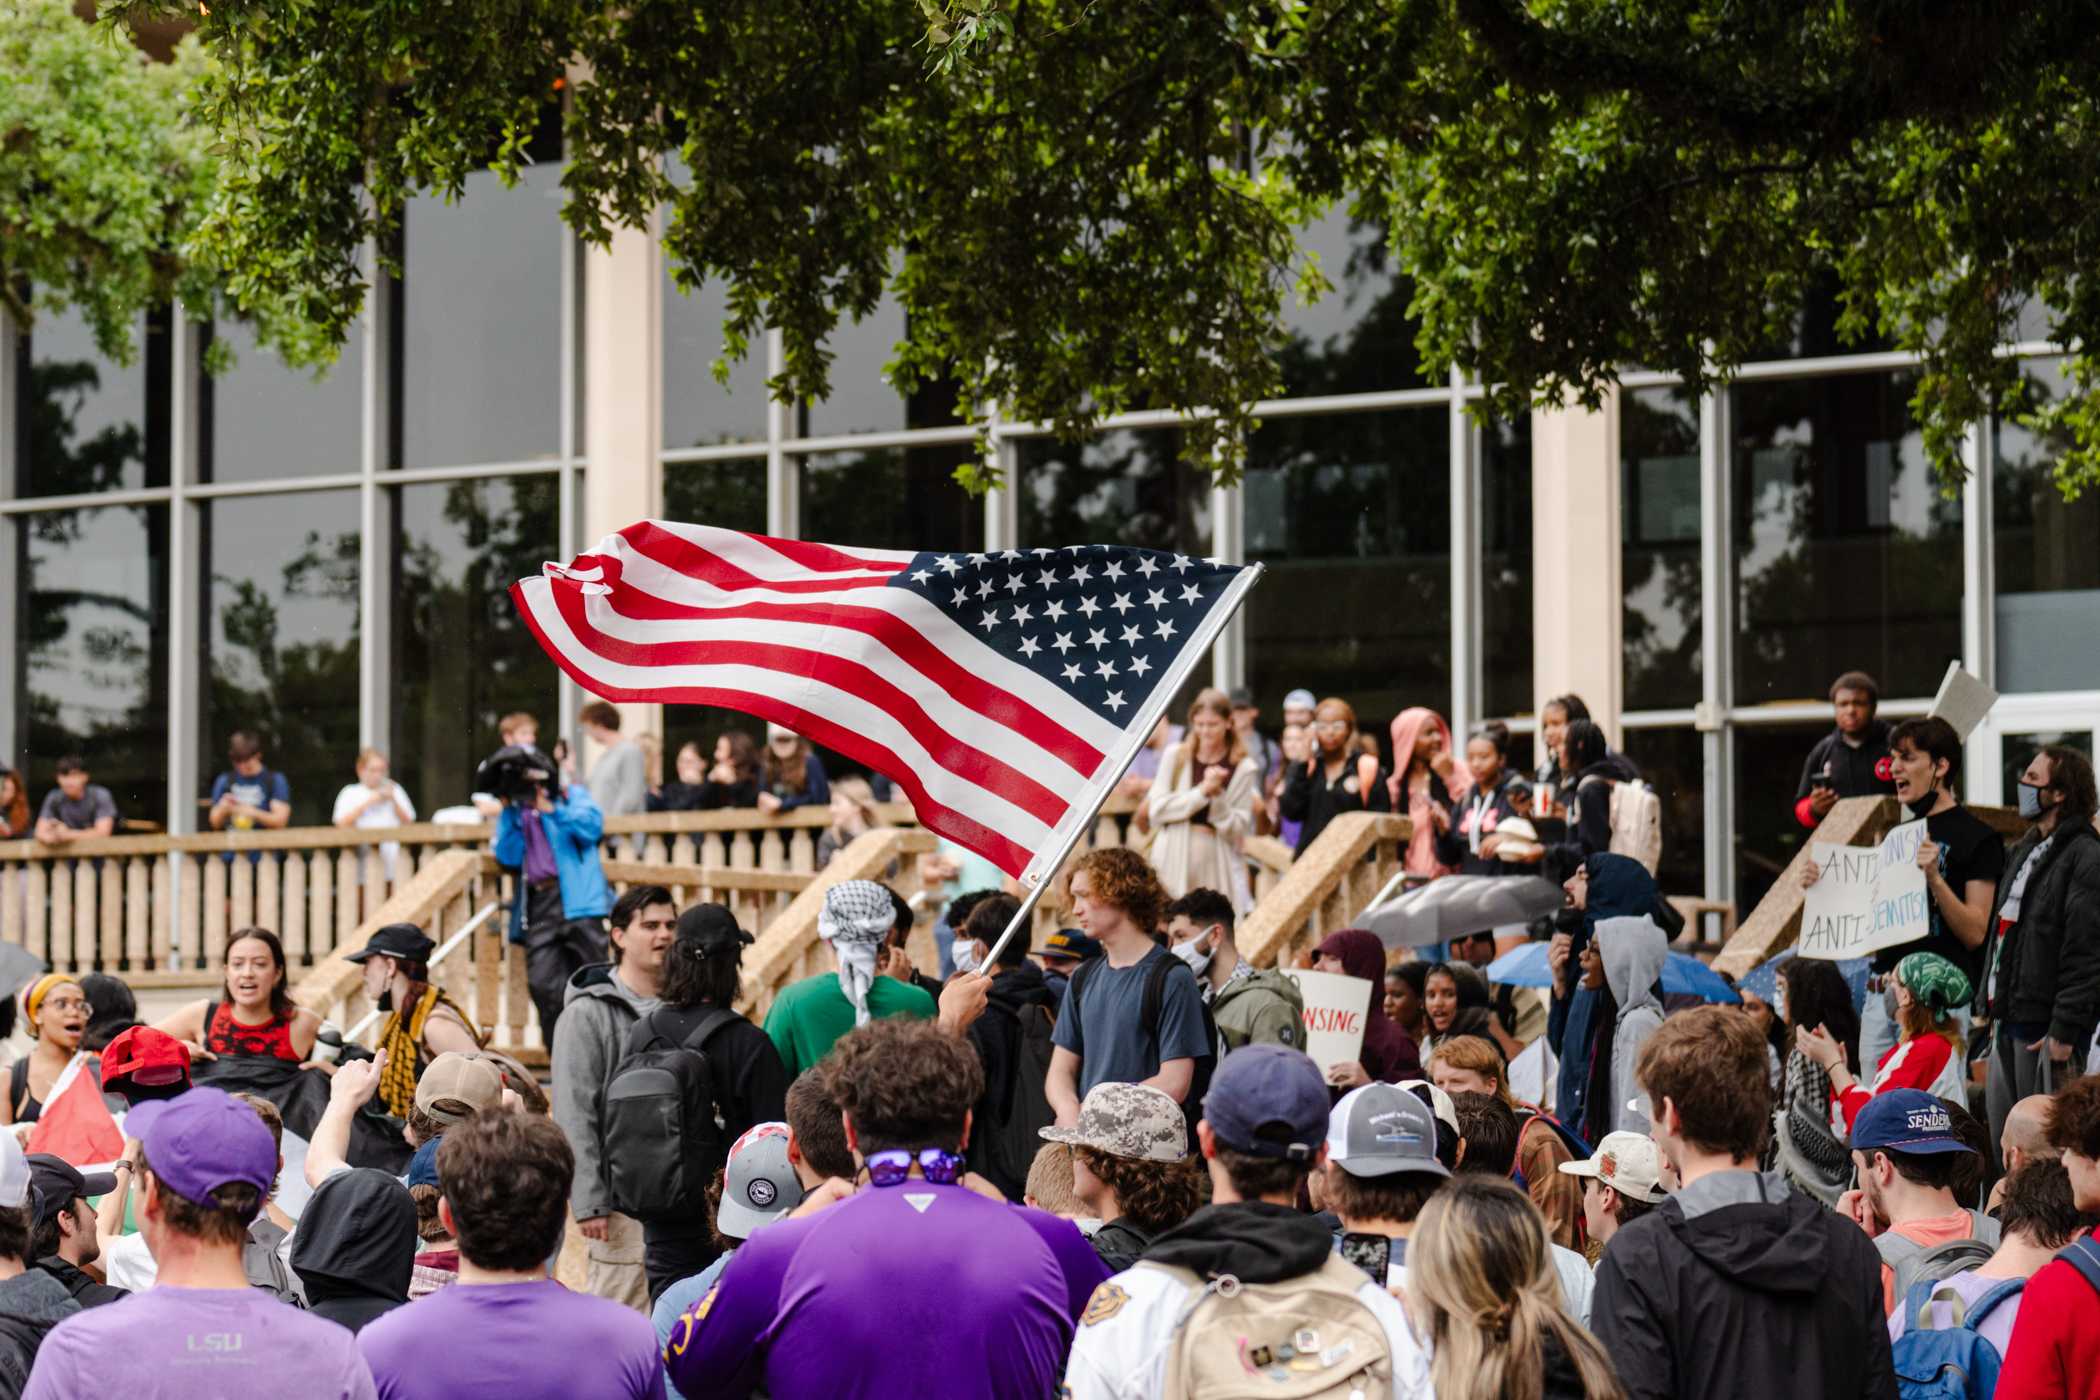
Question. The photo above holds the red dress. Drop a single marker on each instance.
(223, 1035)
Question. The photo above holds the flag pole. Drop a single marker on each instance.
(1111, 772)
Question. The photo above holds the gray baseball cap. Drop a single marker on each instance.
(760, 1184)
(1382, 1129)
(1128, 1120)
(1300, 699)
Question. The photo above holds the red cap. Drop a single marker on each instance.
(146, 1056)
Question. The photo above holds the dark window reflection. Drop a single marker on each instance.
(2018, 750)
(262, 420)
(2048, 558)
(1505, 567)
(1847, 555)
(1659, 472)
(729, 494)
(862, 400)
(281, 649)
(1357, 338)
(462, 659)
(1123, 487)
(91, 604)
(1767, 769)
(891, 498)
(1673, 762)
(88, 423)
(1352, 514)
(1812, 331)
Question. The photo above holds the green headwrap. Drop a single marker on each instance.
(1935, 984)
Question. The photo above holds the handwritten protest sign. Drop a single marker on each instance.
(1336, 1008)
(1869, 897)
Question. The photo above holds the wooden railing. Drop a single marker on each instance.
(788, 947)
(1324, 889)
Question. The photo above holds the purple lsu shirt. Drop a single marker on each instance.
(931, 1290)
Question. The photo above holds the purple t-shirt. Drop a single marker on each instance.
(930, 1291)
(524, 1341)
(199, 1344)
(1997, 1324)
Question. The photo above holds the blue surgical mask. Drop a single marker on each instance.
(2031, 806)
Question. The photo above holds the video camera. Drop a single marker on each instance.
(515, 774)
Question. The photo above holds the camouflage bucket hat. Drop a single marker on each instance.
(1128, 1120)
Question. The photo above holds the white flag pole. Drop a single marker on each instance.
(1079, 818)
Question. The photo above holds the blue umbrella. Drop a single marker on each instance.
(1683, 974)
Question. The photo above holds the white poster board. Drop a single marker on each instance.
(1963, 700)
(1336, 1008)
(1869, 897)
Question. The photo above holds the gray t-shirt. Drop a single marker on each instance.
(1107, 1031)
(93, 806)
(617, 781)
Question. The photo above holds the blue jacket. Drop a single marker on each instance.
(1620, 887)
(573, 829)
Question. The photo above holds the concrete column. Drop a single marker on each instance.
(1575, 588)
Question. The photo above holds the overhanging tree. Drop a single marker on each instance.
(1088, 207)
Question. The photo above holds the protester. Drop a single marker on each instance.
(505, 1179)
(1555, 777)
(1405, 1000)
(1131, 1168)
(853, 814)
(1480, 1288)
(373, 801)
(1852, 760)
(1248, 1005)
(56, 1011)
(1808, 1135)
(454, 1087)
(1904, 1153)
(253, 1016)
(1389, 1054)
(2054, 1353)
(1427, 785)
(790, 773)
(618, 780)
(1631, 953)
(1495, 796)
(1519, 1014)
(355, 1248)
(927, 1285)
(248, 794)
(422, 1021)
(206, 1164)
(436, 1263)
(1246, 722)
(1295, 745)
(111, 1008)
(1134, 1014)
(76, 808)
(1621, 1182)
(1013, 1043)
(1381, 1169)
(551, 839)
(1594, 771)
(1928, 989)
(1488, 1134)
(63, 1239)
(1201, 805)
(1050, 1188)
(32, 1300)
(1736, 1286)
(684, 792)
(1467, 1064)
(1604, 887)
(2025, 1137)
(2041, 984)
(1061, 954)
(1335, 778)
(1160, 1329)
(809, 1016)
(14, 806)
(732, 774)
(1458, 1002)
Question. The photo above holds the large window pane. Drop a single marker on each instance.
(281, 649)
(91, 609)
(1357, 338)
(2048, 559)
(1352, 515)
(478, 377)
(88, 423)
(262, 420)
(1847, 555)
(1673, 762)
(862, 399)
(1123, 487)
(462, 659)
(729, 494)
(891, 498)
(1505, 567)
(1659, 470)
(699, 410)
(1767, 768)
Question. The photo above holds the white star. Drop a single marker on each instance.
(1063, 642)
(1073, 673)
(1054, 610)
(1011, 554)
(946, 563)
(1014, 584)
(1139, 665)
(962, 595)
(1115, 700)
(989, 621)
(1088, 607)
(1047, 579)
(1130, 636)
(1021, 613)
(1164, 630)
(1029, 647)
(1112, 570)
(1154, 599)
(1181, 564)
(921, 576)
(1105, 669)
(984, 588)
(1096, 638)
(1190, 593)
(1079, 573)
(1146, 567)
(1122, 603)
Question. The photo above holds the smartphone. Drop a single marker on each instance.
(1383, 1258)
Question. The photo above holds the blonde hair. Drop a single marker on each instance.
(1481, 1285)
(860, 794)
(1049, 1185)
(366, 755)
(1213, 701)
(1471, 1053)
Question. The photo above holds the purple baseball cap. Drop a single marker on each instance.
(201, 1140)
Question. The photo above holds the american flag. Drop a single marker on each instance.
(1005, 692)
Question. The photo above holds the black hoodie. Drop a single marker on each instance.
(355, 1246)
(1737, 1287)
(1253, 1241)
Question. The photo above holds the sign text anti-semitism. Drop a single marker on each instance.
(1869, 897)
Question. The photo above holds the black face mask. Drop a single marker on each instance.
(1923, 807)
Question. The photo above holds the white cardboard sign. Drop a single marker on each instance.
(1336, 1008)
(1869, 897)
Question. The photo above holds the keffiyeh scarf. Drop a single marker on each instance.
(857, 916)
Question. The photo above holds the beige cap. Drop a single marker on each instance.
(1127, 1120)
(1628, 1163)
(457, 1086)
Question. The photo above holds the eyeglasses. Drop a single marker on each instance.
(893, 1168)
(1331, 726)
(64, 1004)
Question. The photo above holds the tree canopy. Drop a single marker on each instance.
(1085, 208)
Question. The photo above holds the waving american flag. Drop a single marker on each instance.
(1005, 692)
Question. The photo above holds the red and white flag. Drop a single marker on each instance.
(76, 1125)
(1005, 692)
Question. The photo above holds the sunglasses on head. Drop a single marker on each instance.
(893, 1168)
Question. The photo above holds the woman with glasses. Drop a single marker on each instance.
(1334, 779)
(56, 1010)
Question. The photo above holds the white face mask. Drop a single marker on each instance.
(1779, 999)
(966, 955)
(1197, 958)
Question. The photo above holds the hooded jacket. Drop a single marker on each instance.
(1619, 887)
(31, 1304)
(1847, 769)
(2049, 966)
(75, 1280)
(1589, 813)
(997, 1033)
(1389, 1054)
(1633, 951)
(1738, 1287)
(355, 1246)
(1423, 856)
(597, 1010)
(1262, 1008)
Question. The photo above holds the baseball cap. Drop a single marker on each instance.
(423, 1167)
(14, 1172)
(759, 1185)
(1069, 943)
(1300, 699)
(454, 1078)
(404, 941)
(1439, 1102)
(1381, 1129)
(710, 927)
(54, 1183)
(1269, 1101)
(1626, 1162)
(1906, 1120)
(144, 1055)
(199, 1141)
(1127, 1120)
(1240, 698)
(1519, 837)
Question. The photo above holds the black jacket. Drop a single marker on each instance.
(1253, 1241)
(1120, 1244)
(84, 1290)
(1309, 798)
(355, 1246)
(2049, 968)
(1488, 810)
(31, 1304)
(1746, 1289)
(997, 1033)
(1589, 815)
(1848, 771)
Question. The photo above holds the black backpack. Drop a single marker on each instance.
(1005, 1151)
(663, 1138)
(1148, 1017)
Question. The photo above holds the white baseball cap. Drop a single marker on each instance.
(14, 1173)
(1300, 699)
(1628, 1163)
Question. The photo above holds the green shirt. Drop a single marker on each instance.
(809, 1017)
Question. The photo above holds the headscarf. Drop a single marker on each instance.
(1934, 983)
(33, 999)
(1389, 1054)
(857, 916)
(1407, 732)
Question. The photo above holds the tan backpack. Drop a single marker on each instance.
(1304, 1338)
